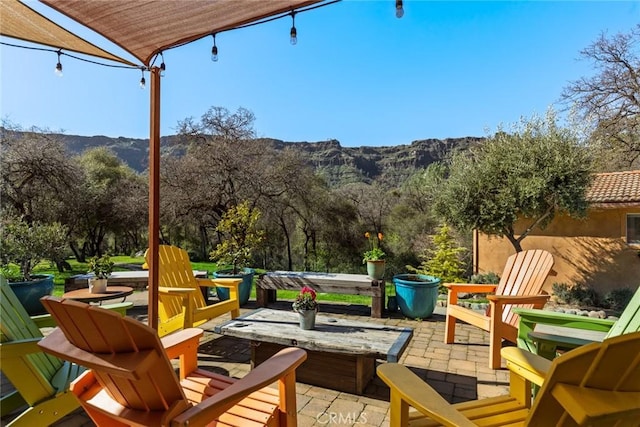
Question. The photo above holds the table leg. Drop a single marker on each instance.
(377, 301)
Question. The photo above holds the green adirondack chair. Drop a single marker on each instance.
(41, 381)
(548, 344)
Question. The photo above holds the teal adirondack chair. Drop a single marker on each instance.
(548, 344)
(41, 381)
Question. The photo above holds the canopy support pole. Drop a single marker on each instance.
(154, 197)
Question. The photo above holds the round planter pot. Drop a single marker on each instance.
(244, 288)
(417, 294)
(29, 293)
(375, 269)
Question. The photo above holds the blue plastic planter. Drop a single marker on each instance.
(417, 294)
(29, 293)
(244, 288)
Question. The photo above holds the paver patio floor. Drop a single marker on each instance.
(459, 371)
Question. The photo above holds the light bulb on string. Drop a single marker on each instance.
(162, 66)
(214, 50)
(293, 33)
(399, 9)
(58, 69)
(143, 82)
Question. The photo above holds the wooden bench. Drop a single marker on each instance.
(331, 283)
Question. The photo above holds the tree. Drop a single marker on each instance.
(110, 197)
(35, 174)
(532, 173)
(611, 97)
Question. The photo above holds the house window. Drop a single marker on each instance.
(633, 229)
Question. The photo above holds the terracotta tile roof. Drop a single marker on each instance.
(615, 188)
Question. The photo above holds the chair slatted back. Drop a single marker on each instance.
(16, 325)
(139, 376)
(175, 271)
(613, 365)
(629, 320)
(523, 274)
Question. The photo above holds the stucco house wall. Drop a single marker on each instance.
(593, 251)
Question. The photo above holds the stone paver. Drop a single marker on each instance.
(458, 371)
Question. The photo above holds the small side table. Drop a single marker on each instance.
(112, 292)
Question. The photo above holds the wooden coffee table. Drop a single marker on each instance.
(112, 292)
(341, 353)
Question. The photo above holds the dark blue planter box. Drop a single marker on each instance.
(29, 293)
(417, 294)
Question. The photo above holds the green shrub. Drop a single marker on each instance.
(578, 294)
(490, 278)
(443, 261)
(562, 292)
(618, 299)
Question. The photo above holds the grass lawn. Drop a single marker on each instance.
(82, 268)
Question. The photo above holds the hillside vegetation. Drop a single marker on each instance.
(337, 164)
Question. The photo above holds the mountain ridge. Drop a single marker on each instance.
(340, 165)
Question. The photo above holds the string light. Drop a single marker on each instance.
(399, 9)
(293, 33)
(214, 50)
(143, 82)
(162, 66)
(58, 69)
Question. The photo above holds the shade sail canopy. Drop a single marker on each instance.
(23, 23)
(145, 27)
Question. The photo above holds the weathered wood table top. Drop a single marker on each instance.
(333, 335)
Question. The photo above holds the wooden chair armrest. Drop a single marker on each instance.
(407, 388)
(278, 366)
(518, 299)
(546, 317)
(177, 343)
(525, 364)
(590, 406)
(175, 291)
(223, 283)
(127, 365)
(470, 288)
(19, 348)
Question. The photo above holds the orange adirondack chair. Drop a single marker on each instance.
(131, 381)
(595, 385)
(180, 300)
(520, 284)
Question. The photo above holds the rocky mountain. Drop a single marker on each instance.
(340, 165)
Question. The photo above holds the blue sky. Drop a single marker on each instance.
(358, 74)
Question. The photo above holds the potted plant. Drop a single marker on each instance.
(101, 267)
(306, 306)
(417, 292)
(374, 257)
(24, 245)
(240, 238)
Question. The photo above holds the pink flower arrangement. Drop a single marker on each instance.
(306, 300)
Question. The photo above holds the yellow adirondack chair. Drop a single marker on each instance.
(594, 385)
(548, 344)
(41, 381)
(132, 382)
(181, 303)
(520, 284)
